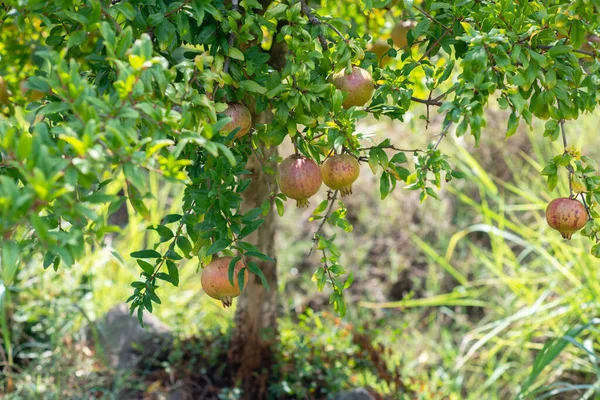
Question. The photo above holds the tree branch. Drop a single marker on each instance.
(315, 21)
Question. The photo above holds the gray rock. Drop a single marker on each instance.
(121, 340)
(356, 394)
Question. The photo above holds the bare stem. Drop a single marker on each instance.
(569, 167)
(443, 134)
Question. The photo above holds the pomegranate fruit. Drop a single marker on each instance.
(339, 172)
(566, 216)
(299, 178)
(241, 118)
(380, 47)
(358, 86)
(399, 33)
(215, 280)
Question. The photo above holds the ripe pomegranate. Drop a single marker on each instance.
(566, 216)
(215, 280)
(241, 118)
(358, 86)
(339, 172)
(400, 31)
(299, 178)
(380, 47)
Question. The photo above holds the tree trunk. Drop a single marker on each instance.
(254, 339)
(255, 335)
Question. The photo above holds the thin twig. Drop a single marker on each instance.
(178, 8)
(392, 147)
(443, 134)
(569, 167)
(332, 199)
(588, 53)
(428, 102)
(425, 13)
(433, 46)
(114, 21)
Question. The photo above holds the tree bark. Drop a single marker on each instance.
(255, 334)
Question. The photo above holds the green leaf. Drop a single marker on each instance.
(513, 124)
(218, 245)
(163, 276)
(76, 38)
(321, 207)
(596, 250)
(162, 230)
(251, 86)
(10, 261)
(146, 267)
(155, 19)
(236, 54)
(169, 219)
(384, 185)
(184, 244)
(241, 278)
(276, 11)
(253, 267)
(231, 269)
(146, 254)
(173, 272)
(260, 256)
(280, 206)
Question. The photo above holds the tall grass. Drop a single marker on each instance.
(540, 292)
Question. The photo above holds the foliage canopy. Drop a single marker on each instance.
(137, 88)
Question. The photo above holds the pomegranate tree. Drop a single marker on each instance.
(357, 85)
(299, 178)
(241, 118)
(566, 216)
(215, 279)
(339, 172)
